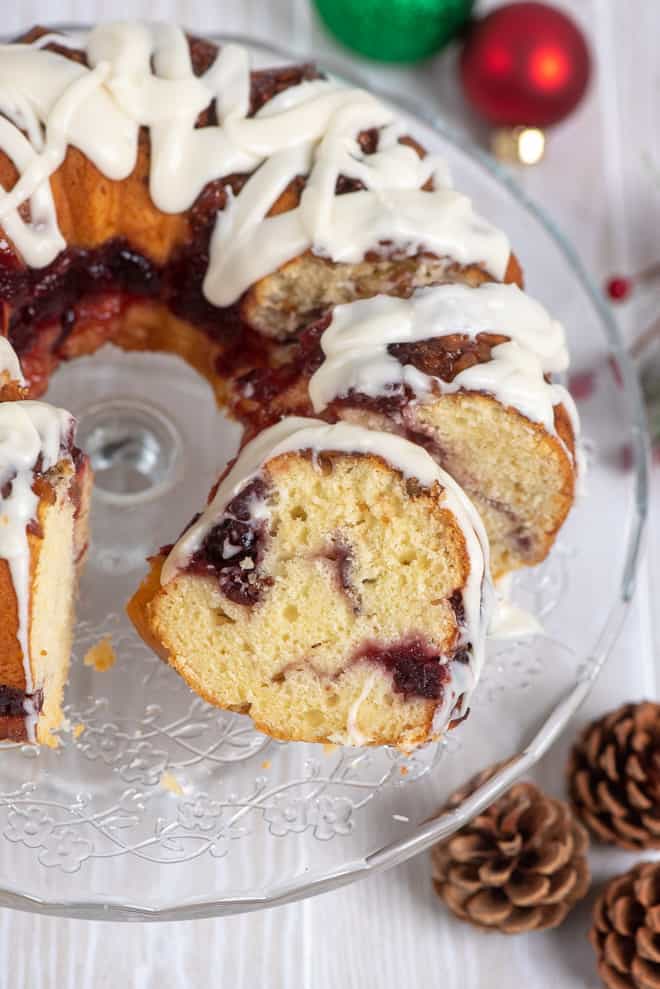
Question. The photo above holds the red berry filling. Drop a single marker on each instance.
(418, 670)
(234, 548)
(12, 701)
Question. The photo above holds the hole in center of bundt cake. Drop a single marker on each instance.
(134, 449)
(234, 547)
(417, 668)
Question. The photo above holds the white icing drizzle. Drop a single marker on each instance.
(10, 366)
(297, 434)
(353, 734)
(56, 38)
(31, 718)
(356, 341)
(141, 75)
(28, 431)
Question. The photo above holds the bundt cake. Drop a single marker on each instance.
(278, 600)
(464, 372)
(44, 488)
(213, 223)
(283, 234)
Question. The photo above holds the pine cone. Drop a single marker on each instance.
(626, 929)
(519, 866)
(614, 776)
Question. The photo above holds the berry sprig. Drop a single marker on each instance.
(619, 287)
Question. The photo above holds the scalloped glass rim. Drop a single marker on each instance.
(422, 837)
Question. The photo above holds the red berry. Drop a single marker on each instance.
(627, 457)
(618, 288)
(581, 385)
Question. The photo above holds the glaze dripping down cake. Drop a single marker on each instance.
(285, 235)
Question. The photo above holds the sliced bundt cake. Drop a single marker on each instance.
(335, 589)
(158, 194)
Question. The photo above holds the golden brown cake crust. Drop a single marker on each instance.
(12, 672)
(138, 607)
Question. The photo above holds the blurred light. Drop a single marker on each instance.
(549, 68)
(531, 145)
(518, 145)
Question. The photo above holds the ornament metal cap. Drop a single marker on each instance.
(518, 145)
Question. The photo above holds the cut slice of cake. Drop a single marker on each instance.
(335, 589)
(465, 372)
(45, 485)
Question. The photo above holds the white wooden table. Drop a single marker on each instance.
(601, 181)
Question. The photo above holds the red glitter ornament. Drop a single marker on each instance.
(525, 63)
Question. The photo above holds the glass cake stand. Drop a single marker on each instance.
(157, 806)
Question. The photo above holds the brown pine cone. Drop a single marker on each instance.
(519, 866)
(626, 929)
(614, 776)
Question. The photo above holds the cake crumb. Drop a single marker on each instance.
(101, 656)
(49, 739)
(403, 770)
(266, 764)
(330, 747)
(78, 729)
(169, 782)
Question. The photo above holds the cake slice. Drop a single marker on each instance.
(335, 589)
(464, 371)
(45, 484)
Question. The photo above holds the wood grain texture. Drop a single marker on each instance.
(601, 182)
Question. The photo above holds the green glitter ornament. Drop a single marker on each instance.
(395, 30)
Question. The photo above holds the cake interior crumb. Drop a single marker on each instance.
(49, 739)
(101, 656)
(169, 782)
(78, 729)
